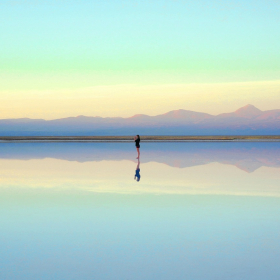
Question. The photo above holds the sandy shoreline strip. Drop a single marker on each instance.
(262, 138)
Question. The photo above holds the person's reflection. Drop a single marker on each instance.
(137, 172)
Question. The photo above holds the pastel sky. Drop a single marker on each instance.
(63, 58)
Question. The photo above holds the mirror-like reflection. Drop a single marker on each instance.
(200, 211)
(137, 171)
(178, 168)
(248, 156)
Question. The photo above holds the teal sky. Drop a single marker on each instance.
(183, 36)
(59, 44)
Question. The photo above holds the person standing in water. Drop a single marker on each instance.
(137, 144)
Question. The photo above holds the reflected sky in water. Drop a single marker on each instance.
(199, 211)
(175, 168)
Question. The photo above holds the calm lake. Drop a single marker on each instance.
(193, 211)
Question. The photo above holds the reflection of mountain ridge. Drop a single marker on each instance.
(245, 156)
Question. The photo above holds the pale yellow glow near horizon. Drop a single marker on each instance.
(130, 99)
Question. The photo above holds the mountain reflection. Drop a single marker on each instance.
(247, 156)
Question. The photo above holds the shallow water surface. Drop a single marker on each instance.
(197, 211)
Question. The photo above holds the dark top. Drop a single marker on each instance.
(137, 141)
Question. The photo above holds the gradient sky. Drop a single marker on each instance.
(63, 58)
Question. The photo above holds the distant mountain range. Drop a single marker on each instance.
(247, 120)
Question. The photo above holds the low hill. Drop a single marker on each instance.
(247, 120)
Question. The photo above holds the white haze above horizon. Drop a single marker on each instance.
(129, 100)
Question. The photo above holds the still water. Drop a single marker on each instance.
(193, 211)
